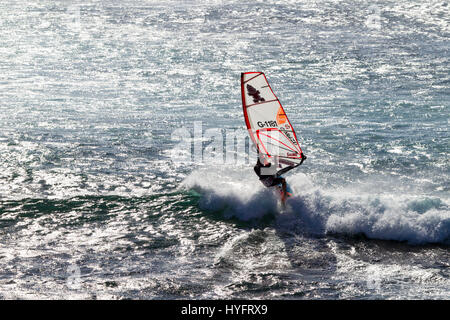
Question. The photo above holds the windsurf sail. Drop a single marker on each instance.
(268, 124)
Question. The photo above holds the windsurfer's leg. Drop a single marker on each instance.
(284, 186)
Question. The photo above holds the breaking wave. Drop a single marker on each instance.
(411, 218)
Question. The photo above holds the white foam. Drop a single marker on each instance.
(315, 209)
(233, 192)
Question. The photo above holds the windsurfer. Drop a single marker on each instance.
(269, 176)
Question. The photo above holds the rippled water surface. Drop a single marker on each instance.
(95, 206)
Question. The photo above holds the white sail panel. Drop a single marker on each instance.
(268, 124)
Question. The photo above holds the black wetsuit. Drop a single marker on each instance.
(267, 180)
(273, 179)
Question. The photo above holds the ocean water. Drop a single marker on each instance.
(94, 204)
